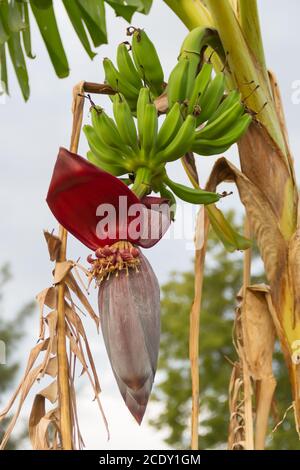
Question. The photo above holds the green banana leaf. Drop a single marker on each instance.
(87, 18)
(18, 60)
(93, 14)
(26, 34)
(126, 11)
(45, 17)
(73, 11)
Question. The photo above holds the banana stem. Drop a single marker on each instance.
(246, 72)
(191, 13)
(142, 182)
(249, 20)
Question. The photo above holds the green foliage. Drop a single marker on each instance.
(87, 18)
(223, 275)
(11, 333)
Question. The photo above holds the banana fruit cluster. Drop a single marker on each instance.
(220, 119)
(136, 70)
(201, 118)
(120, 147)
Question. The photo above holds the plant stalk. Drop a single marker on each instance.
(142, 182)
(63, 365)
(245, 72)
(195, 329)
(64, 394)
(192, 13)
(249, 21)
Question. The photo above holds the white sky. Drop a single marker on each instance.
(31, 134)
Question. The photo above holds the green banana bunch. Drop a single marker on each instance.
(146, 60)
(120, 142)
(191, 76)
(192, 49)
(192, 195)
(134, 71)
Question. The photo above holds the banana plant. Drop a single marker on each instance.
(266, 161)
(265, 157)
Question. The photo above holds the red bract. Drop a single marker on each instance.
(78, 189)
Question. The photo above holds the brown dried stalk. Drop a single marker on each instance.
(63, 366)
(201, 234)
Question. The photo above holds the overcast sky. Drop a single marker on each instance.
(31, 134)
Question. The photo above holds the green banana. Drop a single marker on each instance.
(200, 85)
(211, 98)
(192, 195)
(99, 149)
(126, 66)
(214, 147)
(116, 81)
(125, 122)
(181, 143)
(233, 97)
(170, 127)
(176, 90)
(115, 170)
(147, 61)
(150, 130)
(143, 100)
(105, 128)
(219, 126)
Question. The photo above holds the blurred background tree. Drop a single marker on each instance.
(12, 331)
(222, 281)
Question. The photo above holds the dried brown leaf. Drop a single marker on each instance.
(262, 219)
(62, 269)
(54, 244)
(47, 298)
(258, 332)
(73, 285)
